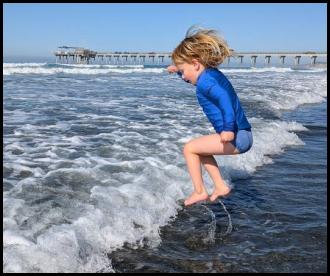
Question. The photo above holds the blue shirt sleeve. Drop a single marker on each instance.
(223, 100)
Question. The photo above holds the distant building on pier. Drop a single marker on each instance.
(78, 54)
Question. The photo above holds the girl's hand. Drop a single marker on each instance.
(172, 69)
(227, 136)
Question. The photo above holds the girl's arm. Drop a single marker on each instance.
(172, 69)
(225, 103)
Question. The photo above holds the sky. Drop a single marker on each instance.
(34, 29)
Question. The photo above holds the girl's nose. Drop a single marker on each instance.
(184, 78)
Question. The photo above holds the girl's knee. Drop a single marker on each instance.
(188, 148)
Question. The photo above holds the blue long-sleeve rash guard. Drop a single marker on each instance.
(219, 101)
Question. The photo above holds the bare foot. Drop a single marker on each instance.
(195, 197)
(225, 190)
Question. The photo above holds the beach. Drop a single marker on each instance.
(94, 175)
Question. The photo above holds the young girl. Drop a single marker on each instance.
(196, 60)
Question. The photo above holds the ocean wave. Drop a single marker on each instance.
(98, 197)
(28, 64)
(35, 64)
(257, 70)
(99, 65)
(272, 69)
(85, 69)
(93, 69)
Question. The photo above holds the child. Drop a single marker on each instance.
(196, 60)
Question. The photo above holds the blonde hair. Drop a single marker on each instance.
(204, 45)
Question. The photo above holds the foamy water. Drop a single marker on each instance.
(93, 154)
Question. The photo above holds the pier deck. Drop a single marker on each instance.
(84, 56)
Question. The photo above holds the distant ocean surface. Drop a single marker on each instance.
(94, 176)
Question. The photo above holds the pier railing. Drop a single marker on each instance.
(86, 56)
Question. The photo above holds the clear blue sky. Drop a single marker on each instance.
(38, 29)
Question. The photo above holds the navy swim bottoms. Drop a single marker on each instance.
(243, 140)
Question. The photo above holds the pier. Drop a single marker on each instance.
(79, 55)
(281, 56)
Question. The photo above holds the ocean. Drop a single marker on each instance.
(94, 177)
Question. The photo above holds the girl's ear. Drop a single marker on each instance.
(195, 63)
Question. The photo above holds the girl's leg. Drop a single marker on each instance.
(212, 168)
(194, 151)
(195, 170)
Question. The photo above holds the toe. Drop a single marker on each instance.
(213, 198)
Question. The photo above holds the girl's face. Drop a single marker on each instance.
(190, 71)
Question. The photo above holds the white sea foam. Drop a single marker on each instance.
(285, 92)
(93, 69)
(257, 70)
(12, 238)
(41, 68)
(271, 69)
(102, 65)
(34, 64)
(144, 201)
(28, 64)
